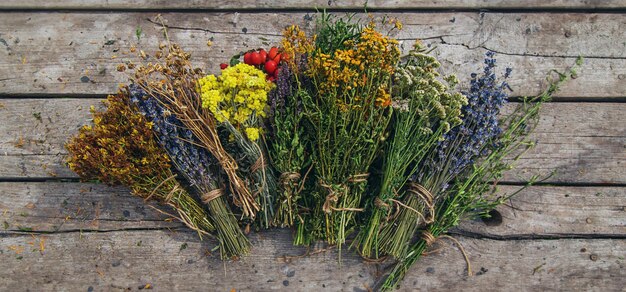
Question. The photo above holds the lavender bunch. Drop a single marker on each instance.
(458, 149)
(492, 152)
(197, 166)
(477, 134)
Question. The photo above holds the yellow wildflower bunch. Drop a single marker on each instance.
(369, 59)
(238, 96)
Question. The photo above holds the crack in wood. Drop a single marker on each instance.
(18, 233)
(209, 30)
(534, 236)
(483, 47)
(453, 232)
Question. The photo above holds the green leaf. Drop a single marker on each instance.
(300, 151)
(295, 141)
(234, 60)
(138, 33)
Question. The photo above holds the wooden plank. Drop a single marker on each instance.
(561, 212)
(62, 207)
(77, 53)
(177, 261)
(584, 144)
(299, 4)
(540, 211)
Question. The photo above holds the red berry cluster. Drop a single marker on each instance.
(266, 61)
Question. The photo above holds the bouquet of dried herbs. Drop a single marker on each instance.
(174, 83)
(119, 148)
(424, 110)
(473, 158)
(198, 168)
(287, 145)
(333, 134)
(348, 112)
(237, 99)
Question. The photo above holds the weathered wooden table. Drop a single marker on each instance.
(58, 57)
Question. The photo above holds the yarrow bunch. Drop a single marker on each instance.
(333, 133)
(458, 149)
(424, 110)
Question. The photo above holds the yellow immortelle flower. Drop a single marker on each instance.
(238, 96)
(252, 133)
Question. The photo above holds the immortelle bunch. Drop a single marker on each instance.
(119, 149)
(350, 71)
(238, 100)
(286, 131)
(172, 81)
(471, 193)
(198, 167)
(424, 110)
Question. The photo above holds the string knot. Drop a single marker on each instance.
(358, 178)
(333, 198)
(211, 195)
(287, 177)
(426, 197)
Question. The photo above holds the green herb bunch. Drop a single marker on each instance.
(471, 194)
(348, 113)
(423, 110)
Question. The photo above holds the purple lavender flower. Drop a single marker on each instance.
(194, 163)
(283, 95)
(478, 133)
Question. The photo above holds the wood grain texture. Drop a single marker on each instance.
(77, 53)
(537, 212)
(81, 236)
(177, 261)
(50, 207)
(583, 144)
(299, 4)
(558, 212)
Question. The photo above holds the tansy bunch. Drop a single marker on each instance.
(238, 96)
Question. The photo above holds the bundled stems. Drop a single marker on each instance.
(349, 116)
(198, 167)
(472, 195)
(424, 110)
(174, 85)
(263, 179)
(286, 136)
(120, 149)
